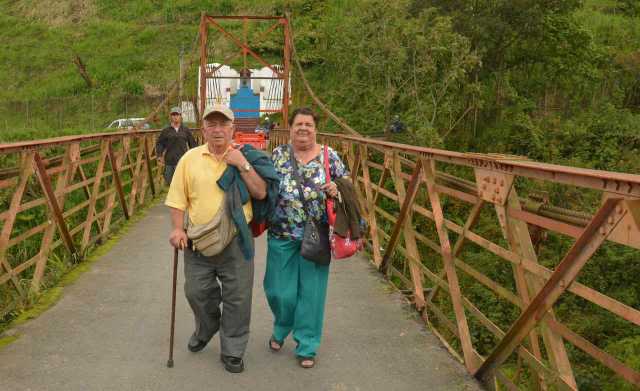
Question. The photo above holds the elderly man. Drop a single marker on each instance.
(174, 141)
(240, 184)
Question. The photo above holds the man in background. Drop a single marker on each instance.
(174, 141)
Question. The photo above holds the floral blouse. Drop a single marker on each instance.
(290, 216)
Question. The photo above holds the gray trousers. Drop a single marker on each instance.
(219, 291)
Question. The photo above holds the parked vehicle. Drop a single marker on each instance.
(128, 123)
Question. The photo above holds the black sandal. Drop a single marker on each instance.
(279, 343)
(301, 361)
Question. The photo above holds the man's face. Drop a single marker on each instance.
(176, 118)
(218, 130)
(303, 129)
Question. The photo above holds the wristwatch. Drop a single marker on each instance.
(246, 168)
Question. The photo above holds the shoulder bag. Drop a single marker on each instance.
(341, 247)
(211, 238)
(315, 242)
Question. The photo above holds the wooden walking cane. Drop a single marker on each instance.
(173, 306)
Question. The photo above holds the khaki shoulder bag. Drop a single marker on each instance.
(211, 238)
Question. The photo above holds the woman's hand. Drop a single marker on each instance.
(331, 189)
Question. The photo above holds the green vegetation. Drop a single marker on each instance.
(555, 80)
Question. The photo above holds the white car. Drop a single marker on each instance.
(128, 123)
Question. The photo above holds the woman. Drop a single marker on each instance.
(295, 287)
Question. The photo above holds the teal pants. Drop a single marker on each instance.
(296, 289)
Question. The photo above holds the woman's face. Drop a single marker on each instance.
(303, 131)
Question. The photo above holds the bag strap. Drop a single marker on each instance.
(327, 171)
(329, 203)
(298, 177)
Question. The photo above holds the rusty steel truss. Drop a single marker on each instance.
(245, 49)
(75, 186)
(416, 181)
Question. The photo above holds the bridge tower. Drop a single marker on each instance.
(232, 71)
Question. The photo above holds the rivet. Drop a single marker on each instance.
(497, 190)
(484, 186)
(611, 220)
(501, 182)
(493, 198)
(603, 231)
(494, 180)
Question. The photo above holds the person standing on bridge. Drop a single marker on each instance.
(174, 141)
(222, 186)
(296, 287)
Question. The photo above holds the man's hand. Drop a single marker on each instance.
(234, 157)
(178, 238)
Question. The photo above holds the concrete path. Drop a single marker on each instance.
(110, 332)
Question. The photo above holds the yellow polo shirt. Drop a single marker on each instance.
(194, 188)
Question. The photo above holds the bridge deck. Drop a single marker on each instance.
(110, 332)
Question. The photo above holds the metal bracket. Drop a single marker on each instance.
(492, 186)
(628, 230)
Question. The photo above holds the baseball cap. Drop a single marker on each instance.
(176, 109)
(218, 108)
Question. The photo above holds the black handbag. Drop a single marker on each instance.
(315, 242)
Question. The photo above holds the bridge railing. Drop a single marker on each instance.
(472, 238)
(70, 192)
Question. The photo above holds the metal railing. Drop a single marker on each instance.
(414, 198)
(68, 191)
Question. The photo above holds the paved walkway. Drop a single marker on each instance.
(110, 332)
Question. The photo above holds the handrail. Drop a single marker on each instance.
(422, 184)
(87, 184)
(43, 143)
(615, 182)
